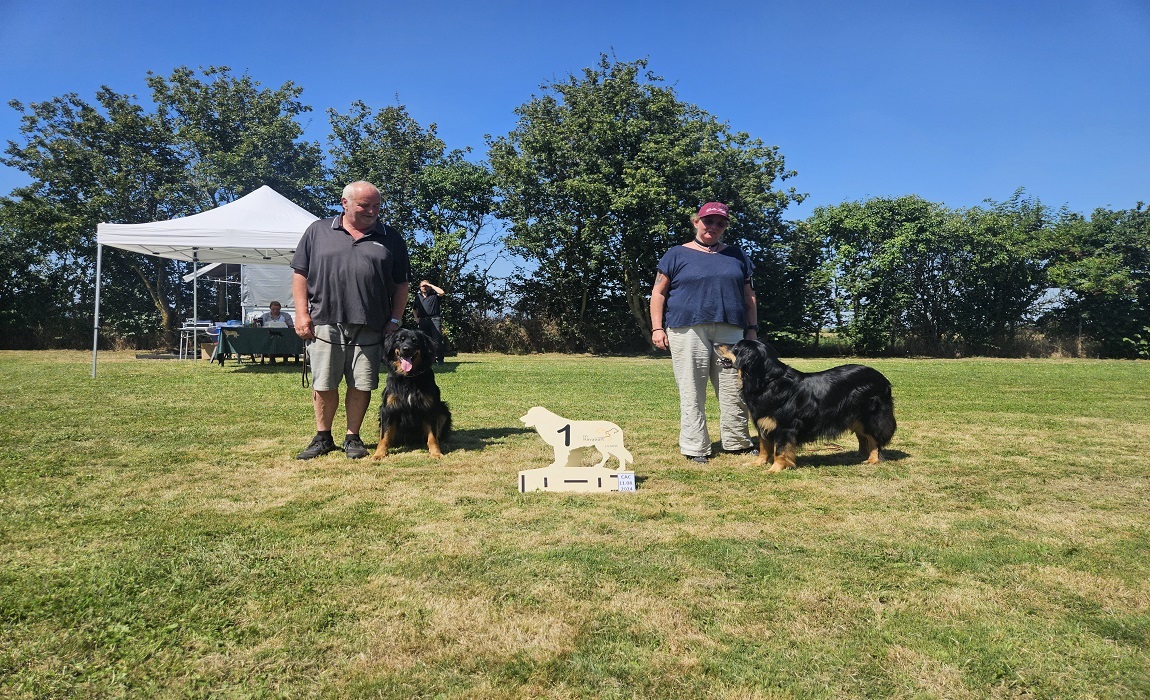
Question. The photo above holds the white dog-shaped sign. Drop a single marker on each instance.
(566, 436)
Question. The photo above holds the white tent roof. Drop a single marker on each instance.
(261, 228)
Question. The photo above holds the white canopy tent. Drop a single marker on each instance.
(261, 228)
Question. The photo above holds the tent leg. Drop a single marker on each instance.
(195, 309)
(96, 315)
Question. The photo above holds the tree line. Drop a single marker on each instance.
(596, 180)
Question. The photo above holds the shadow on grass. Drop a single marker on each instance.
(475, 440)
(480, 438)
(844, 458)
(257, 367)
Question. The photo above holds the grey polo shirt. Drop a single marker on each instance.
(350, 281)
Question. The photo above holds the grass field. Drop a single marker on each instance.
(158, 540)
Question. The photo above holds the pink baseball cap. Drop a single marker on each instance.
(714, 209)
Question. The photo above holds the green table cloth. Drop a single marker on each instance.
(254, 340)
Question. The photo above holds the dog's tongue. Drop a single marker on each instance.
(405, 364)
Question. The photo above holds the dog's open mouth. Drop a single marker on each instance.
(405, 358)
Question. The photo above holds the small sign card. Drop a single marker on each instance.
(626, 481)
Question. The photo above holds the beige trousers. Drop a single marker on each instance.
(694, 361)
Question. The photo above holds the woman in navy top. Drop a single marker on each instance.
(702, 296)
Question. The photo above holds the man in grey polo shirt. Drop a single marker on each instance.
(350, 286)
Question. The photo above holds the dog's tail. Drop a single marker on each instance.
(625, 457)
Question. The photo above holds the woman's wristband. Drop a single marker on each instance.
(657, 329)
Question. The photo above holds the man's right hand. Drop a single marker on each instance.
(304, 328)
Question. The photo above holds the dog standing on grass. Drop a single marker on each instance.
(790, 407)
(412, 412)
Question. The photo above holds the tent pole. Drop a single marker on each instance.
(195, 306)
(96, 316)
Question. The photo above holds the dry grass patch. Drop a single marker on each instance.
(1112, 595)
(925, 674)
(423, 625)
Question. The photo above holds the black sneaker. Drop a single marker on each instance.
(320, 445)
(354, 448)
(700, 459)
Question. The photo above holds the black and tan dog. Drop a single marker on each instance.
(790, 407)
(412, 412)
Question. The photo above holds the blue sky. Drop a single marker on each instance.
(955, 101)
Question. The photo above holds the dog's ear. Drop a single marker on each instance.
(751, 355)
(389, 343)
(426, 344)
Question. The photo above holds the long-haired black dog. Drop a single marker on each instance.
(412, 412)
(790, 407)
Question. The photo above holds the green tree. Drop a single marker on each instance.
(458, 243)
(1102, 267)
(90, 163)
(39, 274)
(205, 144)
(600, 176)
(442, 202)
(454, 203)
(388, 148)
(912, 275)
(895, 266)
(794, 285)
(1003, 272)
(235, 136)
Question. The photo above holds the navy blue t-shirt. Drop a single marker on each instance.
(705, 287)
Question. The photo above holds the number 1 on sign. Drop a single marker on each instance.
(566, 430)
